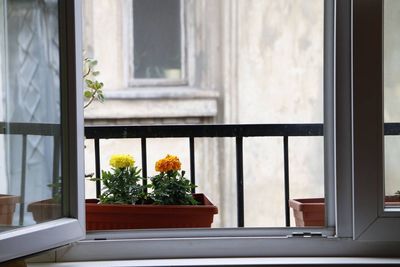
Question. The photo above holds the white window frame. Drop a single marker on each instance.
(371, 220)
(129, 50)
(33, 239)
(263, 242)
(353, 161)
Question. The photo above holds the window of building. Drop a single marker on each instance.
(158, 40)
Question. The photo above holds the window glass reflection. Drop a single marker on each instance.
(29, 113)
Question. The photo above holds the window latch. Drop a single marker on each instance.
(307, 234)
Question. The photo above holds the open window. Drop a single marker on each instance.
(376, 204)
(353, 131)
(41, 129)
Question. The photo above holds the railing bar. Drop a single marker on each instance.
(192, 163)
(286, 178)
(229, 130)
(97, 166)
(239, 174)
(23, 180)
(56, 162)
(144, 160)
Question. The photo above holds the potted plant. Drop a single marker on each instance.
(7, 208)
(164, 202)
(48, 209)
(311, 211)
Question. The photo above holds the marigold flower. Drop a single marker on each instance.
(122, 161)
(169, 163)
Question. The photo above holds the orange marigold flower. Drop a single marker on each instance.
(169, 163)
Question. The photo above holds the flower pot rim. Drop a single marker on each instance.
(9, 199)
(207, 205)
(44, 202)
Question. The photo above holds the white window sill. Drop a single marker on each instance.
(274, 261)
(144, 103)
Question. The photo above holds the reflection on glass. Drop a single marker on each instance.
(29, 113)
(392, 99)
(157, 39)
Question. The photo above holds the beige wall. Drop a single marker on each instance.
(280, 80)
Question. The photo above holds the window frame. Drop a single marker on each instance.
(27, 240)
(269, 242)
(371, 220)
(129, 30)
(349, 187)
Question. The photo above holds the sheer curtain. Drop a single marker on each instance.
(32, 94)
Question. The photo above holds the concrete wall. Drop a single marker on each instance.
(280, 80)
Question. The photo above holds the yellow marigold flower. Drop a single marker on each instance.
(169, 163)
(122, 161)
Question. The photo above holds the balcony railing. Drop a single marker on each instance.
(32, 129)
(238, 132)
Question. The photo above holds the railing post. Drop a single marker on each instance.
(56, 163)
(286, 177)
(97, 163)
(192, 163)
(144, 160)
(23, 180)
(239, 174)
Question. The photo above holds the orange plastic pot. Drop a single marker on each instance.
(121, 216)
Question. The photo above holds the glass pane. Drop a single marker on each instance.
(30, 176)
(157, 39)
(391, 101)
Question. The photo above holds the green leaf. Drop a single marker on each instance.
(88, 94)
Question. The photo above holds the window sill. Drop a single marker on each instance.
(154, 103)
(270, 261)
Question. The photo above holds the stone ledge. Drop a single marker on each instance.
(161, 93)
(154, 103)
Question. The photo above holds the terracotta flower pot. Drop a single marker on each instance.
(311, 211)
(45, 210)
(7, 208)
(308, 211)
(121, 216)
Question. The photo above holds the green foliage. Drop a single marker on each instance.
(56, 189)
(123, 185)
(397, 193)
(172, 188)
(93, 88)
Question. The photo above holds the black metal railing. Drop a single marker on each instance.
(33, 129)
(238, 132)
